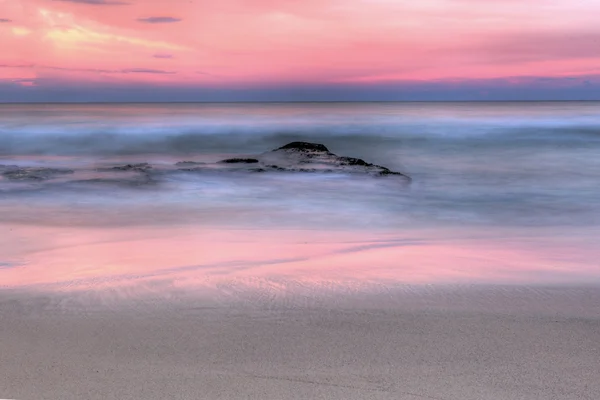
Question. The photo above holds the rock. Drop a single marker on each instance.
(295, 157)
(33, 174)
(240, 161)
(353, 161)
(188, 163)
(304, 146)
(386, 172)
(141, 167)
(301, 157)
(275, 168)
(140, 181)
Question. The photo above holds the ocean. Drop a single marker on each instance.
(501, 193)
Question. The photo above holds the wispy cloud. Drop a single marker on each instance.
(97, 2)
(25, 82)
(144, 71)
(159, 20)
(96, 70)
(17, 65)
(5, 20)
(163, 55)
(78, 35)
(541, 45)
(8, 264)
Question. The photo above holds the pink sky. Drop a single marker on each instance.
(239, 42)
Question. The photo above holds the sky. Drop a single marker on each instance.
(305, 50)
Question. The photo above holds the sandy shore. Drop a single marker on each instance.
(459, 344)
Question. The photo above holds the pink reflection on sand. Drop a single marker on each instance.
(75, 258)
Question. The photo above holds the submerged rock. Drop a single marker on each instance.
(32, 174)
(141, 180)
(301, 157)
(295, 157)
(141, 167)
(189, 163)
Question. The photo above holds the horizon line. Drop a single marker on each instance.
(299, 101)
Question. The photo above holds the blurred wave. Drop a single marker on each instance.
(203, 128)
(474, 164)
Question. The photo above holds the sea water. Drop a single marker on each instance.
(501, 193)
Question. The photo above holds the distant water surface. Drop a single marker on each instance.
(501, 193)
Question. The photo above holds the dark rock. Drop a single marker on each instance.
(353, 161)
(192, 169)
(297, 157)
(304, 146)
(20, 175)
(34, 174)
(386, 172)
(142, 167)
(275, 167)
(240, 161)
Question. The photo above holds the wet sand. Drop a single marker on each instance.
(450, 343)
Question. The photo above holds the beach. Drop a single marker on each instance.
(422, 251)
(433, 343)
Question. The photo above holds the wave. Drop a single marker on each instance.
(251, 128)
(210, 138)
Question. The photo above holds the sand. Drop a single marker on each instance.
(467, 343)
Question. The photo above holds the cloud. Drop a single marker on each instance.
(159, 20)
(162, 56)
(144, 71)
(8, 264)
(17, 65)
(27, 82)
(78, 35)
(5, 20)
(95, 70)
(97, 2)
(112, 71)
(542, 45)
(20, 31)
